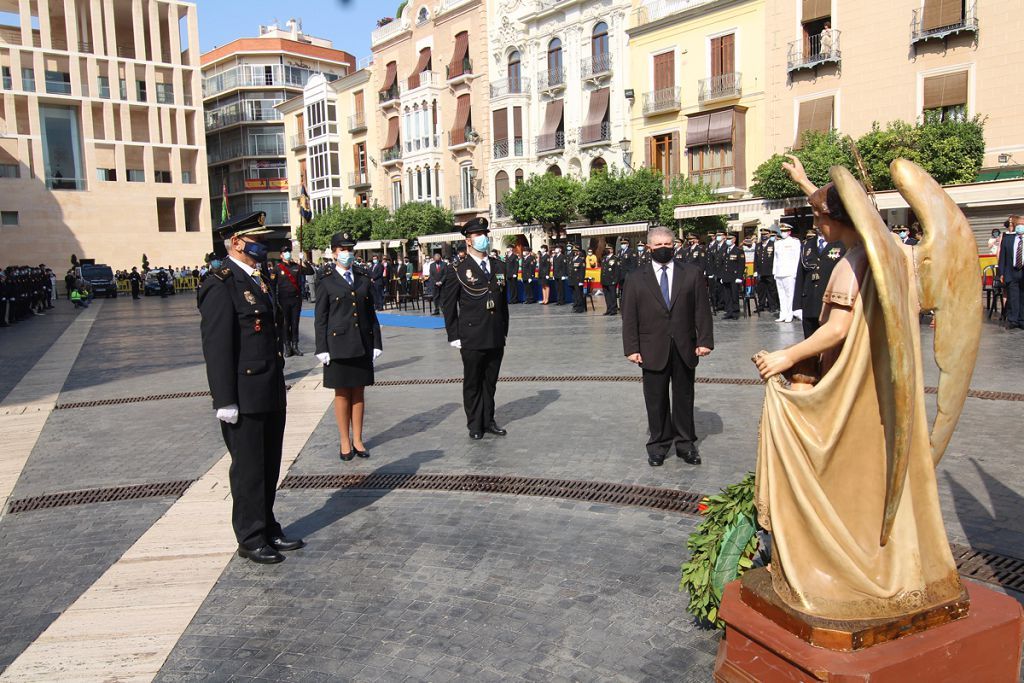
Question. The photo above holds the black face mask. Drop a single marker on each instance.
(662, 254)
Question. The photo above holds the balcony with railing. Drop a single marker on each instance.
(164, 95)
(58, 183)
(463, 73)
(661, 101)
(422, 142)
(551, 142)
(58, 84)
(813, 51)
(721, 87)
(596, 134)
(390, 97)
(462, 138)
(958, 19)
(510, 86)
(504, 148)
(356, 123)
(297, 142)
(596, 66)
(463, 203)
(446, 6)
(239, 182)
(391, 155)
(654, 10)
(253, 148)
(551, 79)
(358, 179)
(257, 76)
(388, 31)
(500, 211)
(428, 79)
(246, 111)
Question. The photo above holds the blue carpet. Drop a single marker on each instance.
(420, 322)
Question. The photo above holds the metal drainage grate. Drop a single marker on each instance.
(669, 500)
(989, 567)
(130, 399)
(107, 495)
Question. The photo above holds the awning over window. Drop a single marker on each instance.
(816, 9)
(814, 115)
(595, 115)
(500, 131)
(613, 229)
(421, 66)
(720, 127)
(459, 57)
(390, 76)
(941, 13)
(392, 138)
(946, 90)
(461, 120)
(697, 130)
(552, 118)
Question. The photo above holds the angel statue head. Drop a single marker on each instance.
(830, 215)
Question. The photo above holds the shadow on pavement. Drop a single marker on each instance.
(522, 408)
(413, 425)
(344, 502)
(396, 363)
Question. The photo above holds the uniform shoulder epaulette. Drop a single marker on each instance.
(222, 274)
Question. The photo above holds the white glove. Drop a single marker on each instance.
(739, 282)
(564, 277)
(324, 358)
(376, 353)
(457, 344)
(228, 414)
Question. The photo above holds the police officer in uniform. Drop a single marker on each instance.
(476, 319)
(512, 268)
(436, 274)
(611, 272)
(135, 280)
(764, 263)
(817, 260)
(733, 270)
(245, 370)
(577, 274)
(544, 273)
(290, 279)
(559, 272)
(529, 265)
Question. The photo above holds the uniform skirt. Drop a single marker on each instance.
(345, 373)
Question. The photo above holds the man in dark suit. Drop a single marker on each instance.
(378, 275)
(818, 258)
(512, 269)
(577, 267)
(529, 265)
(245, 370)
(436, 274)
(764, 264)
(610, 270)
(476, 318)
(1011, 274)
(733, 270)
(290, 282)
(666, 328)
(560, 273)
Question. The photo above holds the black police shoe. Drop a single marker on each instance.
(262, 555)
(283, 544)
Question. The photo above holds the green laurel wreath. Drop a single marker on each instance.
(721, 549)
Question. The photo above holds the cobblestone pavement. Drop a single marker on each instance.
(433, 586)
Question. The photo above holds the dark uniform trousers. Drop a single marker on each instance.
(667, 418)
(611, 300)
(255, 443)
(291, 311)
(479, 382)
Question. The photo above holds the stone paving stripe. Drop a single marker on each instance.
(125, 625)
(24, 411)
(735, 381)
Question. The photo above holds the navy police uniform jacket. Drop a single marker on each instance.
(241, 342)
(345, 322)
(464, 301)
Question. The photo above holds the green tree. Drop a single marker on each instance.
(879, 147)
(412, 220)
(820, 152)
(357, 221)
(550, 200)
(619, 196)
(683, 191)
(952, 151)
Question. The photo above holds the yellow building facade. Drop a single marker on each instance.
(698, 105)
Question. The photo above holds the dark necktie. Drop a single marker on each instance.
(348, 277)
(483, 267)
(1018, 259)
(664, 286)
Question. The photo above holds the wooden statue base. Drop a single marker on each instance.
(984, 645)
(846, 635)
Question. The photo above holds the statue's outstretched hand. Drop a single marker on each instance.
(771, 364)
(795, 168)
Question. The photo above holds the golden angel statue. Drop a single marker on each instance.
(845, 475)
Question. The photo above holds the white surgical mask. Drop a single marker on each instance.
(345, 258)
(1019, 229)
(481, 242)
(719, 238)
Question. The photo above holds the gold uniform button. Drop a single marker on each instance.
(248, 371)
(354, 314)
(334, 334)
(337, 298)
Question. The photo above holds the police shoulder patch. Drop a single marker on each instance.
(222, 274)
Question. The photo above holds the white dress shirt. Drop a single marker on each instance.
(657, 273)
(342, 271)
(246, 268)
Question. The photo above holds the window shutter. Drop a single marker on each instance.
(648, 151)
(664, 71)
(816, 9)
(716, 57)
(729, 53)
(517, 122)
(500, 132)
(673, 168)
(951, 13)
(945, 91)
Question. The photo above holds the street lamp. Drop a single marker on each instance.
(627, 156)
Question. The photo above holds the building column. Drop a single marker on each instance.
(138, 40)
(110, 29)
(45, 34)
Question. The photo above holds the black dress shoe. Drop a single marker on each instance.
(495, 429)
(361, 454)
(262, 555)
(297, 351)
(346, 456)
(282, 544)
(691, 457)
(655, 460)
(476, 436)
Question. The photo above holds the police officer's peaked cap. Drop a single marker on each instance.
(342, 240)
(720, 232)
(691, 236)
(475, 225)
(249, 225)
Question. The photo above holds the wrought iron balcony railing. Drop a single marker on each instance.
(510, 86)
(925, 28)
(720, 87)
(661, 101)
(596, 65)
(813, 51)
(597, 133)
(551, 141)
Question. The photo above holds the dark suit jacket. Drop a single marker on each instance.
(241, 343)
(1006, 258)
(464, 303)
(437, 272)
(346, 324)
(529, 268)
(649, 328)
(544, 267)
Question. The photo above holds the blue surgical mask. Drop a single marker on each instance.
(345, 258)
(481, 243)
(216, 263)
(719, 238)
(256, 251)
(730, 242)
(903, 234)
(1019, 229)
(286, 256)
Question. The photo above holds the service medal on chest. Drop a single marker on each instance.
(470, 277)
(833, 253)
(250, 298)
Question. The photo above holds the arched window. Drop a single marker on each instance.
(519, 177)
(554, 170)
(598, 165)
(599, 40)
(501, 187)
(514, 73)
(555, 62)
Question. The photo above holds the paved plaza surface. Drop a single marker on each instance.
(395, 584)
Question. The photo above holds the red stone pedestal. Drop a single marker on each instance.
(983, 646)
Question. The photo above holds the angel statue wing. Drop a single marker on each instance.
(948, 283)
(897, 397)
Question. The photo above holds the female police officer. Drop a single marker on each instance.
(347, 342)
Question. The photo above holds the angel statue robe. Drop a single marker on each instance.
(822, 473)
